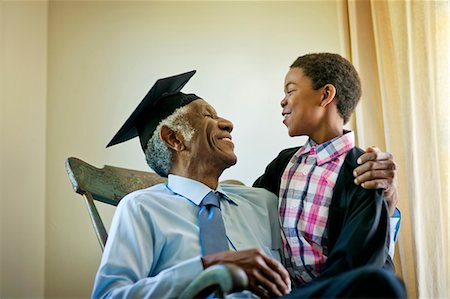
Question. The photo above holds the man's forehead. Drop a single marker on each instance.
(201, 103)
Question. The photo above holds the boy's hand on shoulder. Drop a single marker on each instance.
(378, 170)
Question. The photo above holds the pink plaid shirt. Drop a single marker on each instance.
(305, 192)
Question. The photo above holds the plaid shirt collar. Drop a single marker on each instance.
(328, 150)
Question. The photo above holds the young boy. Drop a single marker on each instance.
(330, 225)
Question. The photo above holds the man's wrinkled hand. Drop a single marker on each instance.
(267, 277)
(377, 170)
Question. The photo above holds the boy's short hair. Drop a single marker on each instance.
(328, 68)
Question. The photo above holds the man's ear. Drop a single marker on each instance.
(328, 94)
(174, 140)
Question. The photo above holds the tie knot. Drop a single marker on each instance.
(211, 198)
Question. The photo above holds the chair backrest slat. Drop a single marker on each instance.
(108, 184)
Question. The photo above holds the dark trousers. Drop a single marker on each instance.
(365, 282)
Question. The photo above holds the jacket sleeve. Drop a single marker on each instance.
(127, 269)
(358, 227)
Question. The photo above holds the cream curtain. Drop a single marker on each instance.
(401, 49)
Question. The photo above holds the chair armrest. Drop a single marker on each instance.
(219, 280)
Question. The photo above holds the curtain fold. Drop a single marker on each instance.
(401, 50)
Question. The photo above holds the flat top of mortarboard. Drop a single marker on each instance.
(162, 88)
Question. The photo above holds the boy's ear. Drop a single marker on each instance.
(174, 140)
(328, 95)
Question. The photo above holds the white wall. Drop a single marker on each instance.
(23, 81)
(102, 59)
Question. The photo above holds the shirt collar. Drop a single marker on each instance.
(191, 189)
(306, 148)
(329, 150)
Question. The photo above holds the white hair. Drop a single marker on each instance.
(158, 155)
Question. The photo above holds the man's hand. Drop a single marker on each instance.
(266, 276)
(377, 170)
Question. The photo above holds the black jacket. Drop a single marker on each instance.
(358, 220)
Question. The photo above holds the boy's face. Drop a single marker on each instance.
(301, 104)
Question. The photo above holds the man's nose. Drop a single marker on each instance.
(226, 125)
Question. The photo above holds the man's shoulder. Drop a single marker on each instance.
(147, 195)
(243, 189)
(246, 193)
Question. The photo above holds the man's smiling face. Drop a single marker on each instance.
(212, 142)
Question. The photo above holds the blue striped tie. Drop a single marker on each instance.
(213, 237)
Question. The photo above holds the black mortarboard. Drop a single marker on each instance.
(160, 102)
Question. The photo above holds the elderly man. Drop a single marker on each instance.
(159, 238)
(163, 236)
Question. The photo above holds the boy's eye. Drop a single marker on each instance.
(208, 115)
(290, 91)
